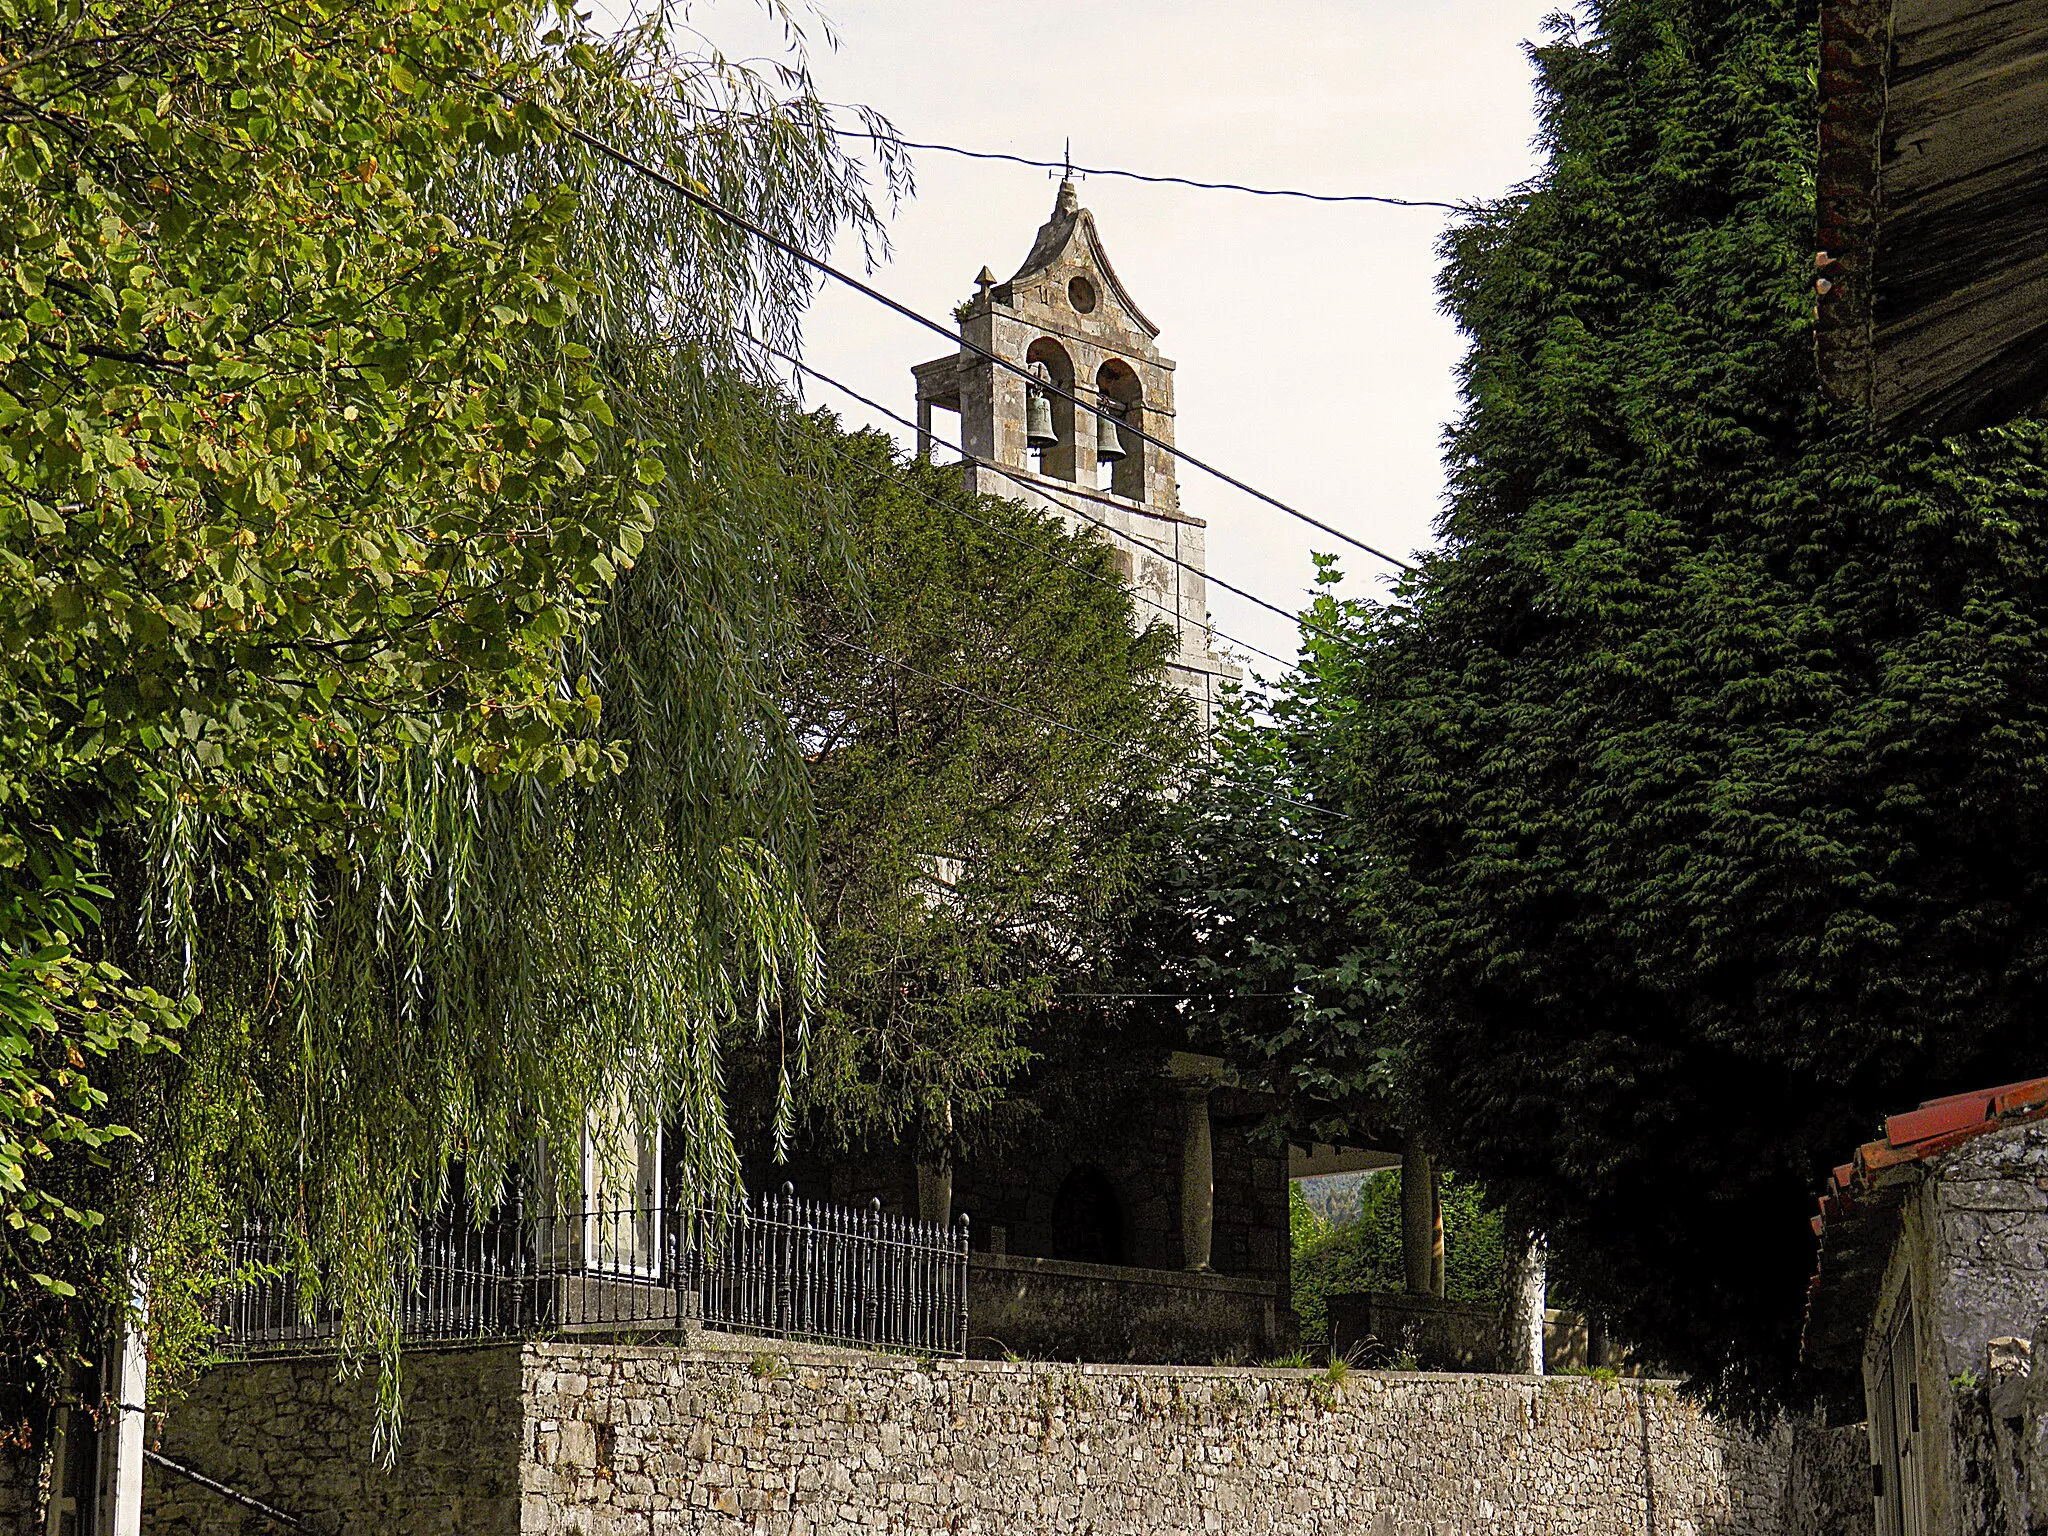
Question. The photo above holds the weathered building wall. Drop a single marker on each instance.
(1829, 1490)
(605, 1439)
(1139, 1304)
(1972, 1262)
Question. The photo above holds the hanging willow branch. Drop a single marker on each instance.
(424, 958)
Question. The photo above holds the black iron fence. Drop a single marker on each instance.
(778, 1265)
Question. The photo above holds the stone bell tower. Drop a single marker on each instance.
(1066, 319)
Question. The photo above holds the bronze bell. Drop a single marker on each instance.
(1109, 445)
(1038, 430)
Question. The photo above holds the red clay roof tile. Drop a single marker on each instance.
(1983, 1093)
(1938, 1118)
(1935, 1127)
(2022, 1097)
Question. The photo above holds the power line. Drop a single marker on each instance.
(1043, 719)
(1170, 181)
(1018, 478)
(1099, 170)
(875, 405)
(740, 221)
(1184, 997)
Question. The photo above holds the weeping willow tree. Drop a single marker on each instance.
(394, 775)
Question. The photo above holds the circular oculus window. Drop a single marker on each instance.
(1081, 294)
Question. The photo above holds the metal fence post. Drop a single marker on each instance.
(960, 1262)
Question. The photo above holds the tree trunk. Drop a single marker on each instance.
(1523, 1304)
(1422, 1219)
(1601, 1353)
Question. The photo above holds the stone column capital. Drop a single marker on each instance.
(1194, 1075)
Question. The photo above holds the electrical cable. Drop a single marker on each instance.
(984, 698)
(1184, 997)
(1047, 555)
(718, 210)
(1060, 501)
(1100, 170)
(1169, 181)
(875, 405)
(1044, 719)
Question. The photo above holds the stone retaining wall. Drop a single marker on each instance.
(608, 1439)
(21, 1492)
(1053, 1309)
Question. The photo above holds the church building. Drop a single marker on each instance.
(1064, 426)
(1140, 1213)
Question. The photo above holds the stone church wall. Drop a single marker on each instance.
(603, 1440)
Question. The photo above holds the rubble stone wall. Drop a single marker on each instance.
(301, 1438)
(20, 1492)
(609, 1439)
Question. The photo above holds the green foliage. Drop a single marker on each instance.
(62, 1014)
(1364, 1252)
(1708, 750)
(338, 392)
(1268, 907)
(991, 743)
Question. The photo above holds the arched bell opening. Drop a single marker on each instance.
(1049, 413)
(1088, 1219)
(1116, 446)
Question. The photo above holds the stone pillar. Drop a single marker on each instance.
(124, 1486)
(924, 429)
(1197, 1178)
(1523, 1306)
(1422, 1219)
(1196, 1077)
(935, 1190)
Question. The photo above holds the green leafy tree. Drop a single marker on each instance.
(1707, 751)
(338, 389)
(1361, 1251)
(1268, 913)
(991, 744)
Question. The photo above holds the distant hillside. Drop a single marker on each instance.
(1336, 1197)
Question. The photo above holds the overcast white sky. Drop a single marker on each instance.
(1314, 362)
